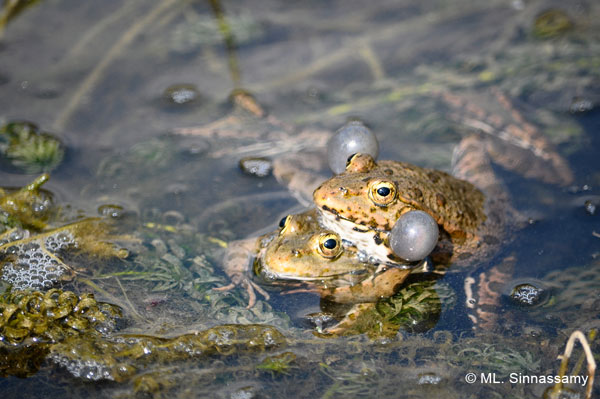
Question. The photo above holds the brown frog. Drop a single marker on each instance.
(471, 208)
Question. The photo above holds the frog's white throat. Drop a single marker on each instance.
(371, 244)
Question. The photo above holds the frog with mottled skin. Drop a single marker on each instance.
(301, 252)
(471, 209)
(361, 206)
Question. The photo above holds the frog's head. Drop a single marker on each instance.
(366, 194)
(303, 250)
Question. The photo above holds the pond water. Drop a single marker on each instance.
(140, 96)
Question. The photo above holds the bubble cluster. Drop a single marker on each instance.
(14, 235)
(89, 369)
(33, 264)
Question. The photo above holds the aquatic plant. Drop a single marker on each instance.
(416, 307)
(31, 249)
(558, 390)
(487, 357)
(278, 364)
(10, 9)
(32, 321)
(412, 305)
(29, 149)
(117, 358)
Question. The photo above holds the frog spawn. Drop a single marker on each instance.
(33, 264)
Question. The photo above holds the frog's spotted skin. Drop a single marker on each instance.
(297, 252)
(302, 251)
(455, 204)
(339, 273)
(350, 209)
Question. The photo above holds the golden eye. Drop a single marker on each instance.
(329, 245)
(382, 192)
(284, 223)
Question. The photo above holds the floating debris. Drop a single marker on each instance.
(181, 94)
(256, 166)
(551, 23)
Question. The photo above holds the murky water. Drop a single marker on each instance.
(133, 90)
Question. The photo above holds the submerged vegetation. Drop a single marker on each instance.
(34, 236)
(29, 149)
(76, 308)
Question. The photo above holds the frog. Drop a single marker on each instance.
(301, 256)
(471, 207)
(364, 202)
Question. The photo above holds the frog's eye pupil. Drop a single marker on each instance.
(282, 222)
(330, 243)
(383, 191)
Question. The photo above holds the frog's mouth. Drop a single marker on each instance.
(372, 244)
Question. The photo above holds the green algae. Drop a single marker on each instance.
(27, 207)
(51, 316)
(552, 23)
(77, 332)
(29, 149)
(36, 236)
(121, 356)
(32, 321)
(278, 364)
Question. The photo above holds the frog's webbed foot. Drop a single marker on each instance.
(250, 286)
(484, 303)
(236, 266)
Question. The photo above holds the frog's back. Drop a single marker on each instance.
(457, 205)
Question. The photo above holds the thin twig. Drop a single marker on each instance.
(591, 363)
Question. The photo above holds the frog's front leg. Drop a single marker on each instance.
(236, 265)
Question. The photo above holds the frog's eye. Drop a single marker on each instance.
(414, 235)
(351, 158)
(329, 245)
(284, 223)
(382, 193)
